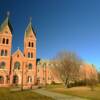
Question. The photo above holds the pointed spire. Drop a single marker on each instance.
(6, 22)
(29, 28)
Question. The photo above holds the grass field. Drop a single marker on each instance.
(84, 92)
(6, 94)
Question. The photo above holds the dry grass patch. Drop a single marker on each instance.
(6, 94)
(84, 92)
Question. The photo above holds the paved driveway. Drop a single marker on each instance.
(57, 96)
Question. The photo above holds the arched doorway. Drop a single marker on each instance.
(1, 80)
(29, 79)
(15, 79)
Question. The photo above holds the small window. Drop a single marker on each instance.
(7, 78)
(31, 55)
(2, 52)
(15, 79)
(30, 66)
(32, 44)
(2, 65)
(17, 65)
(29, 44)
(29, 79)
(7, 41)
(28, 54)
(18, 55)
(1, 80)
(3, 41)
(5, 52)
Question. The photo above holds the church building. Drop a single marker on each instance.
(19, 67)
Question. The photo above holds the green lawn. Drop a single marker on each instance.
(84, 92)
(6, 94)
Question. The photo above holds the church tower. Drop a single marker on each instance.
(5, 50)
(30, 53)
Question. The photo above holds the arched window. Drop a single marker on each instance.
(17, 65)
(3, 41)
(5, 52)
(1, 80)
(28, 54)
(31, 55)
(29, 44)
(30, 66)
(32, 44)
(29, 79)
(7, 41)
(2, 53)
(2, 65)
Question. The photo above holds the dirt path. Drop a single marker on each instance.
(57, 96)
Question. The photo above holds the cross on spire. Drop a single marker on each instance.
(30, 19)
(8, 13)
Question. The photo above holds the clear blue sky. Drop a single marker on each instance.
(72, 25)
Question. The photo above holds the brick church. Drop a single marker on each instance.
(20, 67)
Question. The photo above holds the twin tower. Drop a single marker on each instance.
(19, 67)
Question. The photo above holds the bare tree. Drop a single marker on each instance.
(66, 67)
(93, 78)
(99, 76)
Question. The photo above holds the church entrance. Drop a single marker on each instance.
(15, 79)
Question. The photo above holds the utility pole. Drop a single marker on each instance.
(22, 79)
(44, 73)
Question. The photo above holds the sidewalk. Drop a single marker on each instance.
(57, 96)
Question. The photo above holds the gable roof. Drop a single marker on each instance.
(18, 51)
(5, 23)
(29, 29)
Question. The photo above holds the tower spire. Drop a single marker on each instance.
(6, 22)
(29, 28)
